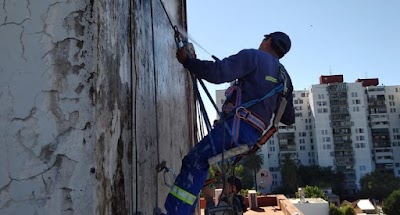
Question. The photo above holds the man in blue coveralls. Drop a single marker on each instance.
(258, 72)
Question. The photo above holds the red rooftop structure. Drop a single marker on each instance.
(329, 79)
(369, 82)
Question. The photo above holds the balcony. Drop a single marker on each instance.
(286, 135)
(337, 102)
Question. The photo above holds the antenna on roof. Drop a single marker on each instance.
(330, 70)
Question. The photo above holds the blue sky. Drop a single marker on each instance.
(356, 38)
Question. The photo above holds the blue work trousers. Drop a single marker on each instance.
(195, 165)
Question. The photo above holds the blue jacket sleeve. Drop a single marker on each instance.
(226, 70)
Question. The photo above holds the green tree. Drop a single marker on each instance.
(289, 166)
(254, 162)
(314, 192)
(333, 210)
(238, 171)
(391, 205)
(378, 185)
(348, 210)
(315, 175)
(344, 210)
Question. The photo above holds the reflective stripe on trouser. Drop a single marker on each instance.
(195, 165)
(183, 195)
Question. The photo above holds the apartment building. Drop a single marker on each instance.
(352, 127)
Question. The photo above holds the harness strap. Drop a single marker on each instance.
(254, 120)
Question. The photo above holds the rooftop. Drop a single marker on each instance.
(271, 205)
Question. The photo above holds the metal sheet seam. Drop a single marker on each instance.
(155, 92)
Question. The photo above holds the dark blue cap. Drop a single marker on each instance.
(280, 42)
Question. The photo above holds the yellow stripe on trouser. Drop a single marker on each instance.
(183, 195)
(272, 79)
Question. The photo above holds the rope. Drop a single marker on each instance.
(165, 10)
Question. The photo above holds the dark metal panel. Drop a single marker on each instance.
(144, 133)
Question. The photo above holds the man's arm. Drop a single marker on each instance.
(226, 70)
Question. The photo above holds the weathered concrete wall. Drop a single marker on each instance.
(91, 100)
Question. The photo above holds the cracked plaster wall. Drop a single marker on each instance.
(91, 100)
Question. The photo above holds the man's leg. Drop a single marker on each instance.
(190, 180)
(183, 196)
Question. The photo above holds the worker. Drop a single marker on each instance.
(258, 72)
(232, 189)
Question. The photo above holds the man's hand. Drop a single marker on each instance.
(181, 55)
(185, 52)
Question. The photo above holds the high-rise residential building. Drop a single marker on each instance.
(352, 127)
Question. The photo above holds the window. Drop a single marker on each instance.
(300, 101)
(302, 148)
(303, 95)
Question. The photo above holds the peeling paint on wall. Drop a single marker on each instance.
(92, 99)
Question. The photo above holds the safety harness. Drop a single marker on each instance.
(241, 112)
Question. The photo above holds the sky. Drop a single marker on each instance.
(355, 38)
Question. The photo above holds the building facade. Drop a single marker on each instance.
(352, 127)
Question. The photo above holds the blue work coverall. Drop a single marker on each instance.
(254, 69)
